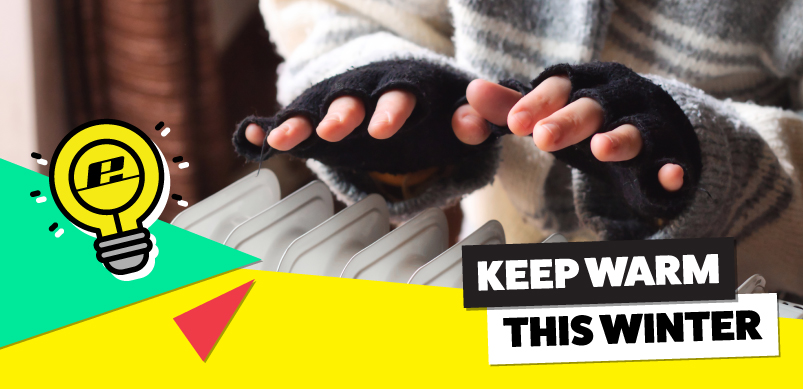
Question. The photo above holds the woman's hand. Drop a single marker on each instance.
(543, 113)
(346, 113)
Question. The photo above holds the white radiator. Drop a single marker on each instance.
(301, 234)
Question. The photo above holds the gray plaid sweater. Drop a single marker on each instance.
(733, 67)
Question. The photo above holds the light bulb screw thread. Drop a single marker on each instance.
(125, 252)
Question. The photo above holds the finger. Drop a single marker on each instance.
(392, 110)
(469, 126)
(671, 177)
(550, 96)
(344, 115)
(621, 144)
(289, 134)
(569, 125)
(255, 134)
(491, 101)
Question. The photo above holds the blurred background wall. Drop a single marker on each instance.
(198, 65)
(17, 114)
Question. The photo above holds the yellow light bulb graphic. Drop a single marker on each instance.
(107, 177)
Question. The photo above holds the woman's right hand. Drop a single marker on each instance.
(346, 113)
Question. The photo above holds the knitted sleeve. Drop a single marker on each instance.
(783, 47)
(747, 178)
(319, 39)
(749, 186)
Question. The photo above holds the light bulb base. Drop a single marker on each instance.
(126, 252)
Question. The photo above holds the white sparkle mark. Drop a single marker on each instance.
(183, 165)
(41, 161)
(165, 131)
(59, 232)
(183, 203)
(41, 200)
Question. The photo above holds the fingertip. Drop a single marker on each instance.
(671, 177)
(381, 125)
(254, 134)
(344, 115)
(521, 122)
(621, 144)
(290, 133)
(546, 136)
(277, 138)
(602, 146)
(327, 130)
(392, 109)
(469, 127)
(546, 99)
(491, 101)
(477, 88)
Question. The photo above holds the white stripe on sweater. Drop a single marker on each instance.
(551, 48)
(754, 183)
(318, 42)
(613, 52)
(403, 24)
(698, 39)
(496, 58)
(358, 52)
(674, 57)
(767, 201)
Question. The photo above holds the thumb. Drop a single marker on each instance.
(491, 101)
(671, 177)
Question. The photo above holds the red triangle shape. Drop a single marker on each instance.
(204, 324)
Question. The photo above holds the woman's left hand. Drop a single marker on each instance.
(554, 125)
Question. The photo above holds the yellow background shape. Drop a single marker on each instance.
(297, 331)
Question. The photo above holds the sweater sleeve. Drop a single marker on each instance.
(319, 39)
(343, 48)
(749, 187)
(743, 186)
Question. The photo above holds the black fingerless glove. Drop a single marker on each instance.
(628, 194)
(425, 140)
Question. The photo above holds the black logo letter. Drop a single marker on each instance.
(96, 171)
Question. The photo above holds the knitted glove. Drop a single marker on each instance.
(425, 140)
(628, 194)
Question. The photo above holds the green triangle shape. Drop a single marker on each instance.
(48, 282)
